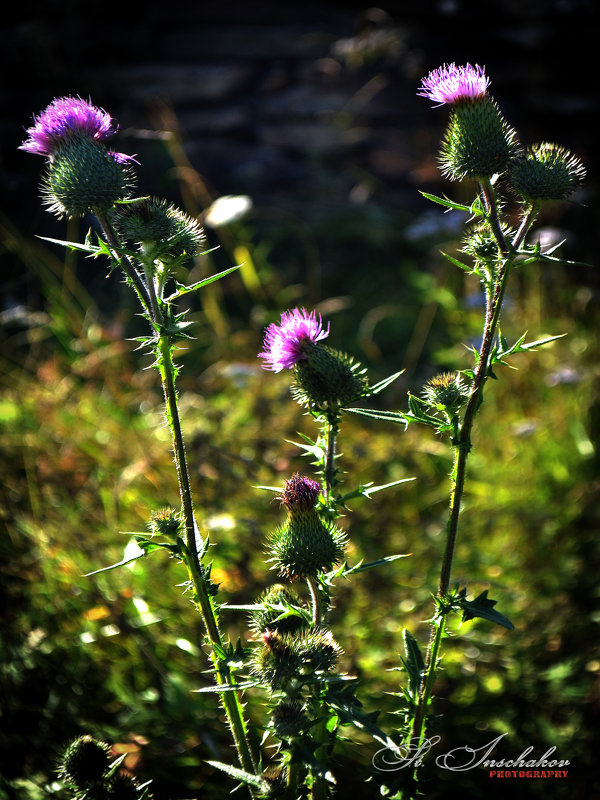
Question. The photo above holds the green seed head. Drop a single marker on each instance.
(164, 232)
(84, 176)
(263, 619)
(165, 522)
(446, 392)
(546, 171)
(327, 377)
(288, 719)
(478, 142)
(84, 762)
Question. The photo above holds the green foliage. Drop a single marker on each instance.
(118, 652)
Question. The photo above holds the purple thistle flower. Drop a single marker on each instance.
(452, 84)
(283, 343)
(300, 493)
(66, 117)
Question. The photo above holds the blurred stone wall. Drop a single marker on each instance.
(307, 108)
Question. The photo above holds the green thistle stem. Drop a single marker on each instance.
(526, 223)
(291, 792)
(329, 433)
(332, 430)
(191, 556)
(315, 596)
(231, 701)
(463, 444)
(437, 634)
(126, 265)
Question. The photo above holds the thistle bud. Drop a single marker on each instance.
(122, 787)
(165, 522)
(482, 245)
(263, 619)
(162, 231)
(85, 762)
(446, 392)
(278, 660)
(288, 719)
(275, 779)
(84, 176)
(328, 377)
(318, 649)
(304, 545)
(286, 656)
(546, 171)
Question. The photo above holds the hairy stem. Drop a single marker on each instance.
(291, 791)
(231, 700)
(463, 442)
(331, 432)
(315, 596)
(193, 544)
(126, 265)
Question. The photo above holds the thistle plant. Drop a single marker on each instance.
(294, 655)
(146, 240)
(478, 145)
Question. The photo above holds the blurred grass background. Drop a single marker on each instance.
(85, 457)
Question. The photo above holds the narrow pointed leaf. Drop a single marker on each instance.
(388, 416)
(241, 775)
(313, 449)
(379, 387)
(457, 263)
(115, 566)
(443, 201)
(86, 248)
(182, 289)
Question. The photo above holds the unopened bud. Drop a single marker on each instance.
(446, 392)
(305, 544)
(163, 231)
(85, 762)
(546, 171)
(267, 618)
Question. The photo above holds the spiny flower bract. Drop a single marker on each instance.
(546, 171)
(64, 118)
(161, 229)
(305, 544)
(269, 618)
(452, 84)
(84, 762)
(447, 391)
(284, 342)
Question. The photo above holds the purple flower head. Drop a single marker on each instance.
(452, 84)
(63, 118)
(300, 493)
(283, 343)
